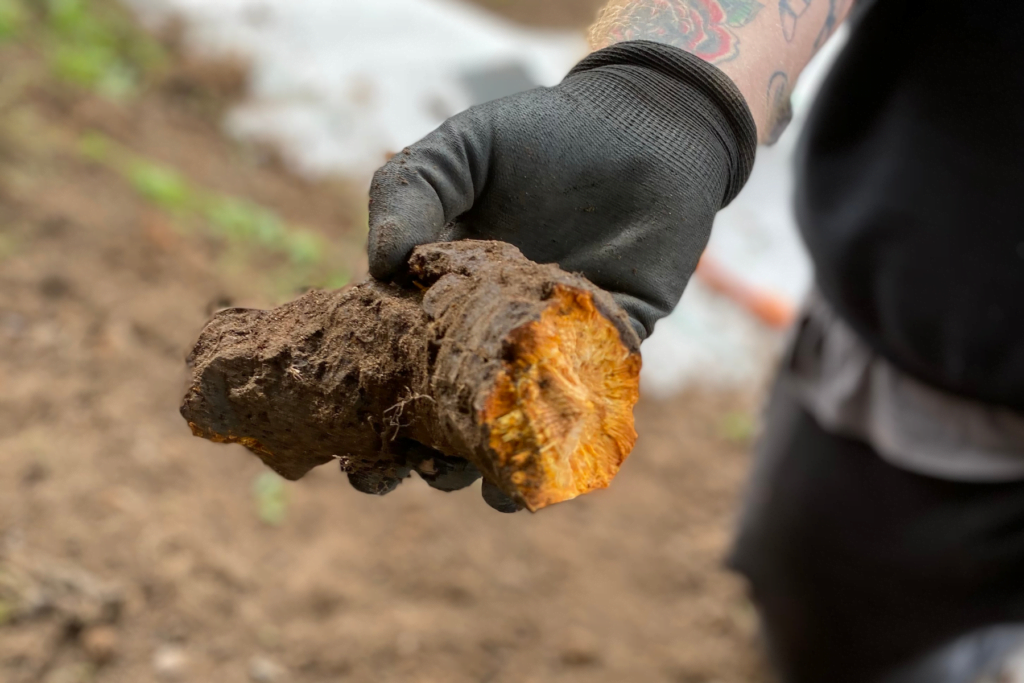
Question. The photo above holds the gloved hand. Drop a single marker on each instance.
(616, 173)
(442, 472)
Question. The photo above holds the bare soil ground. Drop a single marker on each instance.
(131, 551)
(547, 13)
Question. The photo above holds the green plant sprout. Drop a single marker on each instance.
(162, 186)
(12, 18)
(94, 44)
(737, 427)
(245, 227)
(271, 497)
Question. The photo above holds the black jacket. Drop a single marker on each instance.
(911, 191)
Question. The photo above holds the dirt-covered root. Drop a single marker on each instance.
(527, 371)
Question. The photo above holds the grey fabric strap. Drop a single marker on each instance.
(985, 656)
(852, 391)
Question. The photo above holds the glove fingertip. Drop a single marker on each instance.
(373, 483)
(497, 498)
(643, 314)
(639, 328)
(387, 250)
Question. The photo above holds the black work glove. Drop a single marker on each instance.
(442, 472)
(616, 173)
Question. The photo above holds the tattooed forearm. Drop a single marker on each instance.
(754, 42)
(780, 111)
(703, 27)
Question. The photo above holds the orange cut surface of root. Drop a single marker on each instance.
(560, 415)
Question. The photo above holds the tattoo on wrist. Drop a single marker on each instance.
(702, 27)
(836, 9)
(790, 12)
(780, 110)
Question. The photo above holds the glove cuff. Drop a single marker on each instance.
(738, 134)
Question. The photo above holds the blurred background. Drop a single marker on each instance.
(161, 159)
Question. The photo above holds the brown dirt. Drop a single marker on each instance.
(547, 13)
(131, 551)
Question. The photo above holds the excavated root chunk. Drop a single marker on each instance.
(527, 371)
(561, 413)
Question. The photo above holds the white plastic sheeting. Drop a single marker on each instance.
(337, 84)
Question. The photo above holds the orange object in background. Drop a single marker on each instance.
(769, 308)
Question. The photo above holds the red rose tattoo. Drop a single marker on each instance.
(702, 27)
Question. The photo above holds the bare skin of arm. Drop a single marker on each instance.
(761, 45)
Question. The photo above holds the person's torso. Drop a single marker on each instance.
(911, 191)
